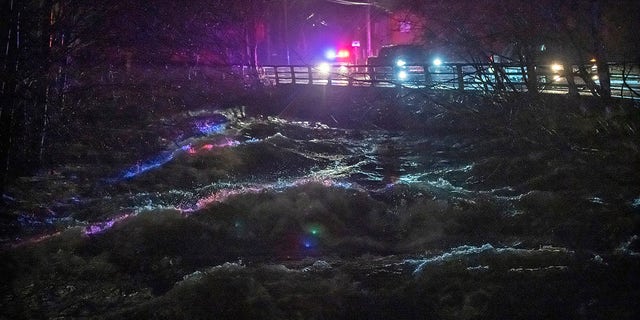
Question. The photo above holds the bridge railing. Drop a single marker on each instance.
(487, 77)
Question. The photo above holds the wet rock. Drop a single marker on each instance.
(318, 266)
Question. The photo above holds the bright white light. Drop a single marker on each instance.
(556, 67)
(400, 63)
(343, 69)
(595, 77)
(324, 68)
(402, 75)
(437, 62)
(330, 54)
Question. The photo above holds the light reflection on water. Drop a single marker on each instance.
(374, 162)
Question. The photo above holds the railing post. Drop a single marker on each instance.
(427, 76)
(506, 77)
(371, 71)
(460, 77)
(497, 74)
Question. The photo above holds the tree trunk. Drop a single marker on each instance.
(604, 89)
(531, 72)
(252, 53)
(571, 81)
(52, 91)
(9, 28)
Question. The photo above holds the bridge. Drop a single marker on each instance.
(484, 77)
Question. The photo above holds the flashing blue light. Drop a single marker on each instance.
(330, 54)
(401, 63)
(309, 242)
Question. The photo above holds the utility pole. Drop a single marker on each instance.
(368, 4)
(286, 30)
(369, 29)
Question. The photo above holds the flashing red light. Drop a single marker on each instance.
(343, 53)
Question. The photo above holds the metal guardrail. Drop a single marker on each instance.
(624, 78)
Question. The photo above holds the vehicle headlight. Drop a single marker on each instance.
(400, 63)
(437, 62)
(324, 68)
(556, 67)
(402, 75)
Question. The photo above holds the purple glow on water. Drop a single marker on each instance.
(100, 227)
(219, 196)
(207, 128)
(192, 150)
(209, 146)
(36, 239)
(166, 157)
(148, 165)
(223, 195)
(92, 229)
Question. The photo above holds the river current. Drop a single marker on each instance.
(273, 218)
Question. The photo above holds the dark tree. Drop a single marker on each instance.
(59, 55)
(579, 30)
(28, 67)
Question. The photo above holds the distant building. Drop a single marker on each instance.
(398, 27)
(406, 27)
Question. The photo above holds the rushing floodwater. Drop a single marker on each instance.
(452, 226)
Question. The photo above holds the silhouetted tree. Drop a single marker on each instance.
(580, 30)
(55, 52)
(29, 71)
